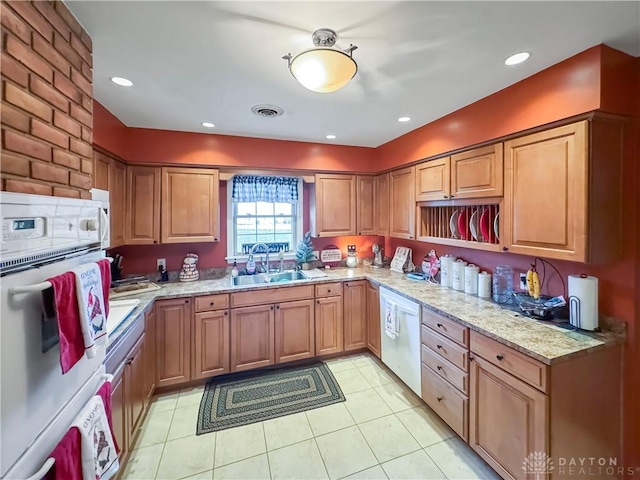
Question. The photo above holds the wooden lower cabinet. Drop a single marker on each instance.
(173, 341)
(211, 343)
(118, 413)
(329, 325)
(135, 389)
(149, 355)
(507, 419)
(355, 310)
(252, 337)
(373, 319)
(294, 331)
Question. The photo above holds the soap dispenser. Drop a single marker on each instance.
(234, 270)
(250, 266)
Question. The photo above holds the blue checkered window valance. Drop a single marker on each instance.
(259, 188)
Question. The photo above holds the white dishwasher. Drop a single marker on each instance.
(401, 350)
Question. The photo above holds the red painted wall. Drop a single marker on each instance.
(109, 132)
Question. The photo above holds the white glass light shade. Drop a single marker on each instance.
(323, 70)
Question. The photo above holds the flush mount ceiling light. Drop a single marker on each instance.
(123, 82)
(323, 69)
(517, 58)
(208, 124)
(330, 137)
(404, 119)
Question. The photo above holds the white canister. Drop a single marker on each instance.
(458, 275)
(583, 302)
(471, 279)
(446, 270)
(484, 285)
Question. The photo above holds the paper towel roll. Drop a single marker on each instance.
(471, 279)
(446, 273)
(583, 301)
(458, 275)
(484, 285)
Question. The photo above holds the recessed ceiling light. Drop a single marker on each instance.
(123, 82)
(208, 124)
(331, 137)
(517, 58)
(404, 119)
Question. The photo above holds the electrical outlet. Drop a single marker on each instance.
(523, 282)
(316, 254)
(161, 262)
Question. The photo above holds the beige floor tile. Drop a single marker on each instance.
(425, 425)
(282, 431)
(164, 402)
(239, 443)
(254, 468)
(143, 463)
(190, 396)
(208, 475)
(377, 375)
(345, 452)
(184, 422)
(458, 462)
(373, 473)
(187, 456)
(329, 419)
(299, 461)
(412, 466)
(398, 396)
(155, 429)
(364, 359)
(339, 365)
(366, 405)
(388, 438)
(351, 381)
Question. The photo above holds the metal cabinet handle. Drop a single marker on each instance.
(499, 357)
(226, 313)
(278, 306)
(211, 304)
(439, 325)
(215, 239)
(504, 249)
(446, 196)
(439, 347)
(129, 361)
(186, 301)
(271, 307)
(318, 302)
(451, 196)
(439, 367)
(329, 290)
(439, 398)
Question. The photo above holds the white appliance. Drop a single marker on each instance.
(402, 353)
(102, 196)
(41, 237)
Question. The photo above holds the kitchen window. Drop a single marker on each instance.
(263, 209)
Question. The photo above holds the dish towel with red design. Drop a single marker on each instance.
(68, 318)
(98, 449)
(93, 316)
(105, 394)
(105, 274)
(66, 456)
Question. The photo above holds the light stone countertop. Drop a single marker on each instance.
(538, 340)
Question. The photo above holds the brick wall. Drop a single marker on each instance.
(47, 100)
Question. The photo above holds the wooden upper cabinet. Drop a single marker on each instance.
(211, 343)
(365, 214)
(477, 173)
(143, 205)
(190, 205)
(117, 202)
(373, 319)
(355, 313)
(333, 205)
(294, 331)
(100, 171)
(252, 337)
(173, 341)
(433, 180)
(402, 215)
(563, 192)
(329, 325)
(381, 204)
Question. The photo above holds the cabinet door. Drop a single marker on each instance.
(507, 419)
(149, 355)
(211, 343)
(119, 414)
(100, 171)
(252, 337)
(382, 205)
(477, 173)
(329, 326)
(190, 206)
(173, 341)
(433, 180)
(333, 209)
(365, 214)
(355, 309)
(403, 203)
(546, 193)
(143, 206)
(373, 319)
(134, 390)
(294, 331)
(117, 202)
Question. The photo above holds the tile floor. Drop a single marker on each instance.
(383, 430)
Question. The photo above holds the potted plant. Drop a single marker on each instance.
(304, 252)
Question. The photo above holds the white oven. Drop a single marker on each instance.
(104, 226)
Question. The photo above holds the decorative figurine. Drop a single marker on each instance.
(189, 272)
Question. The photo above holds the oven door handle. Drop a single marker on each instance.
(105, 220)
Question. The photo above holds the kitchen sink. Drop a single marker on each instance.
(262, 278)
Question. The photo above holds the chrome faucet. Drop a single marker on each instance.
(253, 251)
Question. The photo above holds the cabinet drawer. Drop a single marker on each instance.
(510, 360)
(450, 329)
(446, 370)
(447, 349)
(446, 401)
(271, 295)
(329, 289)
(211, 302)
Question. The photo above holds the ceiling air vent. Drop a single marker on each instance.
(267, 111)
